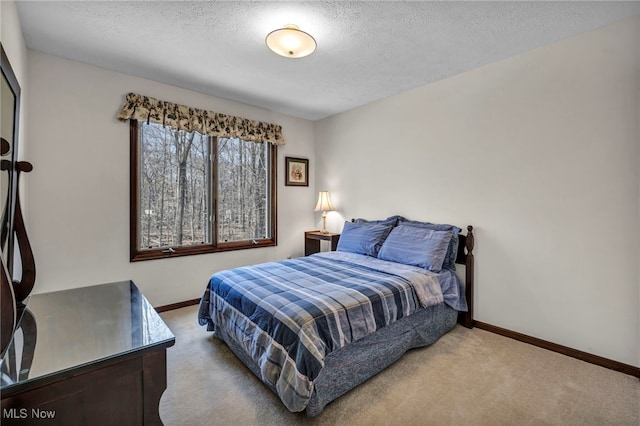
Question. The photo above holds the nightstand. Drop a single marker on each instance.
(312, 241)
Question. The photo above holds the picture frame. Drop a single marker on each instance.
(296, 171)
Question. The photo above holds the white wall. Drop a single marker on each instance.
(540, 153)
(79, 189)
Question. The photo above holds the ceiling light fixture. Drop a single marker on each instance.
(290, 42)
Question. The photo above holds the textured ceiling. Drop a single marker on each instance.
(366, 50)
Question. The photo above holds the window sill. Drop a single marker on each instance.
(152, 254)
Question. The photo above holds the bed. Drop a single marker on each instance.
(312, 328)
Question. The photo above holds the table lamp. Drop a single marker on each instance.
(324, 205)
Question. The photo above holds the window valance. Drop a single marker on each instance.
(181, 117)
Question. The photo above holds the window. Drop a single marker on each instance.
(192, 193)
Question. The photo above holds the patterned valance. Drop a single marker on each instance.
(181, 117)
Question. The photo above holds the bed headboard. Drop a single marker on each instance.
(465, 257)
(465, 246)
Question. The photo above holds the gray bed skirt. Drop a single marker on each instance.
(351, 365)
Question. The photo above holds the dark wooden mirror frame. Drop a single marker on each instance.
(15, 286)
(9, 147)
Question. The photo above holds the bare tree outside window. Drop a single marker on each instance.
(197, 194)
(243, 174)
(174, 170)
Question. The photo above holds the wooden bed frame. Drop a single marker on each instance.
(465, 243)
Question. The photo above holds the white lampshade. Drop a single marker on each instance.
(324, 202)
(290, 42)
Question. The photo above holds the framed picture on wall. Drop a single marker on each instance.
(297, 171)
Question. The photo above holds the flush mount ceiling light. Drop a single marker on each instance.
(290, 42)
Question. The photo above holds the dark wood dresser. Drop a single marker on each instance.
(87, 356)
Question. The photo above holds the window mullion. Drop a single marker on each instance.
(213, 189)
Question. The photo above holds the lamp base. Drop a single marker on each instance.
(324, 223)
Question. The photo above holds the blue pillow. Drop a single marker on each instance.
(452, 250)
(363, 238)
(391, 220)
(412, 245)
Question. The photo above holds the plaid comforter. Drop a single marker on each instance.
(289, 315)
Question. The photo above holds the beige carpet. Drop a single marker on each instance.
(468, 377)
